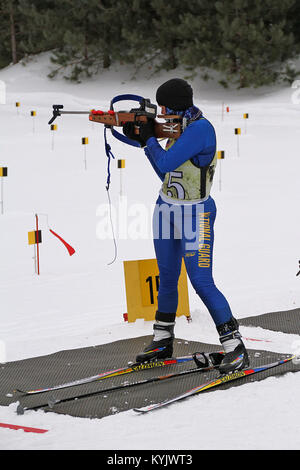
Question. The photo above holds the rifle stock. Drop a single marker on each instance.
(167, 129)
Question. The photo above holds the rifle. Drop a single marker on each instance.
(171, 128)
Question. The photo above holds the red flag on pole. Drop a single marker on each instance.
(69, 247)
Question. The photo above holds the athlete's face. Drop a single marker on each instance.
(163, 110)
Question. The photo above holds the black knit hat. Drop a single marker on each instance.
(176, 94)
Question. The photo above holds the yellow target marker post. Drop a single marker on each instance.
(246, 116)
(237, 132)
(220, 156)
(33, 114)
(84, 142)
(121, 166)
(142, 284)
(3, 174)
(53, 128)
(18, 104)
(35, 238)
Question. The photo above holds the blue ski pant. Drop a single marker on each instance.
(187, 231)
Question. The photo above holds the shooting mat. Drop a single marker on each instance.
(287, 321)
(68, 365)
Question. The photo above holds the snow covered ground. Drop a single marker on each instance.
(79, 301)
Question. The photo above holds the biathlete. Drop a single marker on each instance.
(183, 223)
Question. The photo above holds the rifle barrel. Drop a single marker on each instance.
(74, 112)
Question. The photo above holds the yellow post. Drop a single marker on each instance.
(3, 173)
(33, 114)
(53, 128)
(85, 141)
(220, 156)
(121, 166)
(237, 132)
(34, 238)
(246, 116)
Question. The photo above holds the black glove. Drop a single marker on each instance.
(128, 130)
(147, 130)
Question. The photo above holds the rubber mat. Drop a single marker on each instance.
(73, 364)
(285, 321)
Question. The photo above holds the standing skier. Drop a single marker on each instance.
(183, 223)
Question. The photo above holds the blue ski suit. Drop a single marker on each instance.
(198, 144)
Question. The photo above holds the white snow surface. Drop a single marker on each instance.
(79, 301)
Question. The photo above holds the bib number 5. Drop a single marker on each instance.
(179, 189)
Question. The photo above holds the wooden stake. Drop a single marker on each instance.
(37, 245)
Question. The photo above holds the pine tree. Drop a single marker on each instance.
(167, 29)
(152, 30)
(27, 27)
(293, 21)
(249, 42)
(91, 37)
(9, 31)
(255, 40)
(40, 26)
(138, 33)
(199, 44)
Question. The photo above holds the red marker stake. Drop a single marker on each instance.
(25, 428)
(37, 244)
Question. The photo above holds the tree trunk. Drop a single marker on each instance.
(173, 62)
(12, 33)
(106, 61)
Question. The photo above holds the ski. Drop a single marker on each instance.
(206, 366)
(213, 383)
(136, 367)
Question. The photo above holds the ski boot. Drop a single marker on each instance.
(161, 346)
(236, 356)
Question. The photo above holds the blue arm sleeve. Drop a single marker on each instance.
(197, 137)
(158, 172)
